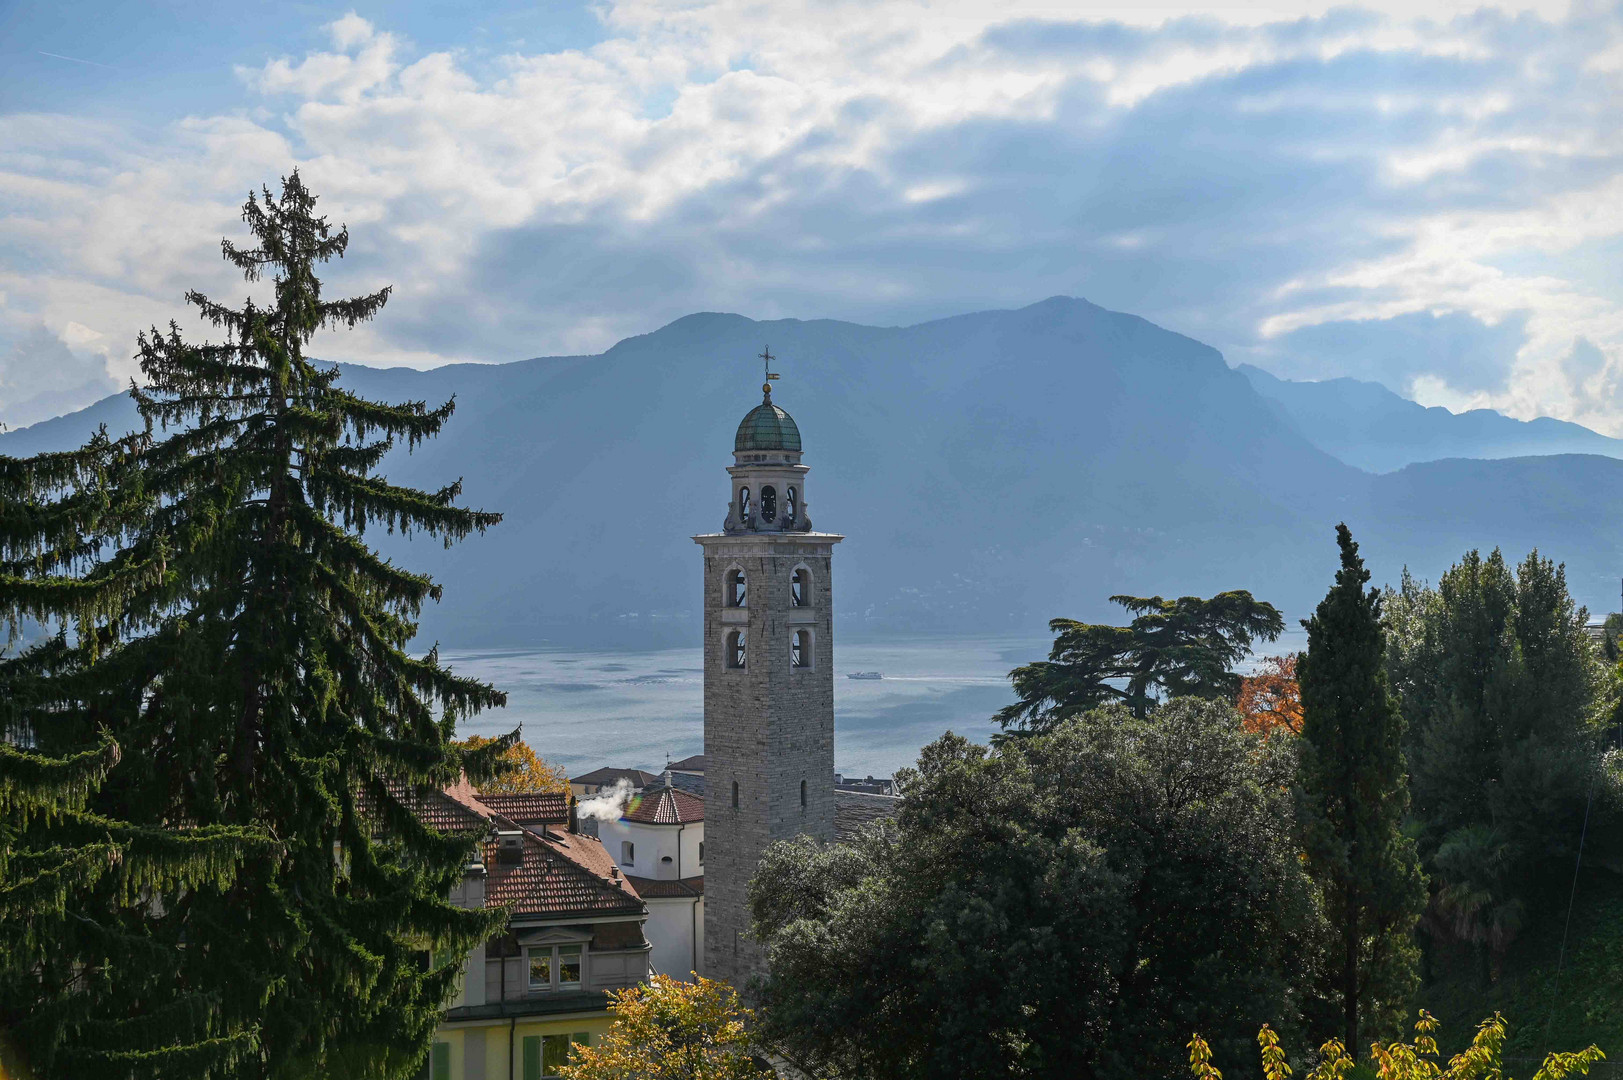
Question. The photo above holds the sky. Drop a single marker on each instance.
(1422, 193)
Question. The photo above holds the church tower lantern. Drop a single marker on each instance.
(768, 677)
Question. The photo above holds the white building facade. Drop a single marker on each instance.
(659, 845)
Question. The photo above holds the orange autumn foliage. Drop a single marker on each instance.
(1270, 699)
(530, 773)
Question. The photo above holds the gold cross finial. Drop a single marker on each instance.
(766, 364)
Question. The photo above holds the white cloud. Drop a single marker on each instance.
(1238, 173)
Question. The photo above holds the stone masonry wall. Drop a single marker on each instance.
(767, 727)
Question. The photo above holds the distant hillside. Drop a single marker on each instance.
(990, 471)
(1367, 425)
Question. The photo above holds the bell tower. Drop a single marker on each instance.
(768, 678)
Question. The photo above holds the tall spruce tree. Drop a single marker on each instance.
(231, 630)
(88, 987)
(1352, 793)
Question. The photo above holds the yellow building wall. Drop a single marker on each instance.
(596, 1025)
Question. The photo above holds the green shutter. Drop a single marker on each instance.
(442, 1061)
(532, 1057)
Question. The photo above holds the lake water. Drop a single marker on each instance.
(631, 709)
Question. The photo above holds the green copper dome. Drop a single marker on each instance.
(767, 427)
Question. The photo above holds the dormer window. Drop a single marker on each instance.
(800, 586)
(737, 595)
(735, 649)
(769, 504)
(554, 967)
(791, 506)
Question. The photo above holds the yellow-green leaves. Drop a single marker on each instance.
(1417, 1060)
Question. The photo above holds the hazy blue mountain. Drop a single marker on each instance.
(990, 471)
(1367, 425)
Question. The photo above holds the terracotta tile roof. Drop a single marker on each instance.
(560, 874)
(658, 889)
(665, 806)
(529, 808)
(452, 810)
(688, 764)
(637, 777)
(853, 810)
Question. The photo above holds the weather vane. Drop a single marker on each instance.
(766, 364)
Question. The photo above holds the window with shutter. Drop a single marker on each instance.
(554, 1054)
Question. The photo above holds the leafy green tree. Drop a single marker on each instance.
(1507, 705)
(229, 628)
(1351, 797)
(668, 1029)
(1173, 648)
(1069, 904)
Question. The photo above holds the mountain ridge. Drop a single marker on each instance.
(990, 470)
(1365, 424)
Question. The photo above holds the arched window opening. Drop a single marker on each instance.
(769, 503)
(791, 506)
(803, 794)
(800, 588)
(744, 505)
(735, 649)
(800, 649)
(701, 852)
(737, 593)
(735, 794)
(628, 853)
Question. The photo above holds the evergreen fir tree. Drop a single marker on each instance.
(248, 653)
(1352, 794)
(88, 986)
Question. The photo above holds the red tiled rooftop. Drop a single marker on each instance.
(452, 810)
(561, 874)
(529, 808)
(665, 806)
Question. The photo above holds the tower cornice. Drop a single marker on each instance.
(745, 542)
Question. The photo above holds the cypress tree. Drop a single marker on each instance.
(1352, 794)
(247, 650)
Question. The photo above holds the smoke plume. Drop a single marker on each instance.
(607, 805)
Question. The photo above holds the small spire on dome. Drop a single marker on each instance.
(766, 363)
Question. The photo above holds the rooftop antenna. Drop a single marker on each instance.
(766, 364)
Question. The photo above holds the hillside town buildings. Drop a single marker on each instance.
(574, 931)
(654, 881)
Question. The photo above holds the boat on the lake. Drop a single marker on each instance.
(864, 675)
